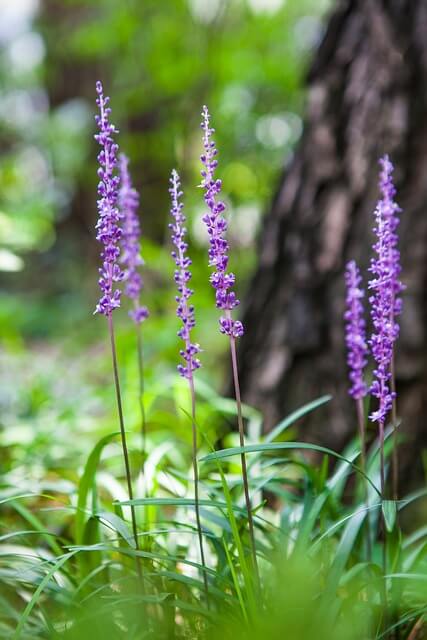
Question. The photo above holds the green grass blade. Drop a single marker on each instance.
(277, 446)
(235, 581)
(341, 557)
(179, 502)
(310, 515)
(38, 526)
(86, 483)
(114, 522)
(389, 512)
(31, 604)
(337, 525)
(161, 557)
(296, 415)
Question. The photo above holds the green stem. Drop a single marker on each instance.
(361, 424)
(242, 455)
(383, 524)
(196, 482)
(395, 454)
(140, 352)
(123, 438)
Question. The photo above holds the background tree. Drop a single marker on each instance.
(366, 97)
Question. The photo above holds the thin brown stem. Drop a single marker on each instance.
(383, 524)
(395, 467)
(123, 437)
(395, 453)
(416, 628)
(196, 483)
(382, 460)
(361, 425)
(242, 455)
(140, 352)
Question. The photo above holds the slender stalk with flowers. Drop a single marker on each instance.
(357, 351)
(109, 234)
(357, 347)
(391, 212)
(132, 260)
(222, 281)
(385, 305)
(381, 341)
(185, 311)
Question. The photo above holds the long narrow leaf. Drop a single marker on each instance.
(31, 604)
(294, 416)
(276, 446)
(179, 502)
(86, 483)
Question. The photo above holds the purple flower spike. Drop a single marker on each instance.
(129, 201)
(216, 224)
(185, 311)
(108, 230)
(357, 348)
(386, 286)
(391, 211)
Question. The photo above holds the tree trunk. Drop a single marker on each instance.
(367, 96)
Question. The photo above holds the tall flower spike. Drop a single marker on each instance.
(391, 212)
(185, 311)
(131, 258)
(108, 230)
(221, 280)
(109, 234)
(357, 348)
(386, 286)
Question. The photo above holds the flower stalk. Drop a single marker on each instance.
(123, 439)
(391, 211)
(357, 352)
(131, 259)
(223, 281)
(357, 347)
(185, 311)
(109, 234)
(386, 304)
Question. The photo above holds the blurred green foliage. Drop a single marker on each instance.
(159, 61)
(66, 554)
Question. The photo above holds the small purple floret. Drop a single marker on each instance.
(355, 337)
(131, 258)
(185, 311)
(216, 224)
(386, 287)
(108, 229)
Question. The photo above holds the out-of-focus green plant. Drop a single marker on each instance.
(67, 555)
(162, 61)
(67, 568)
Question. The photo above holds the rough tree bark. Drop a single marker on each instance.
(367, 96)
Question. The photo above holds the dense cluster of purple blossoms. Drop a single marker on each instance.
(118, 226)
(391, 211)
(386, 287)
(115, 205)
(185, 311)
(216, 224)
(108, 229)
(385, 303)
(131, 258)
(355, 337)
